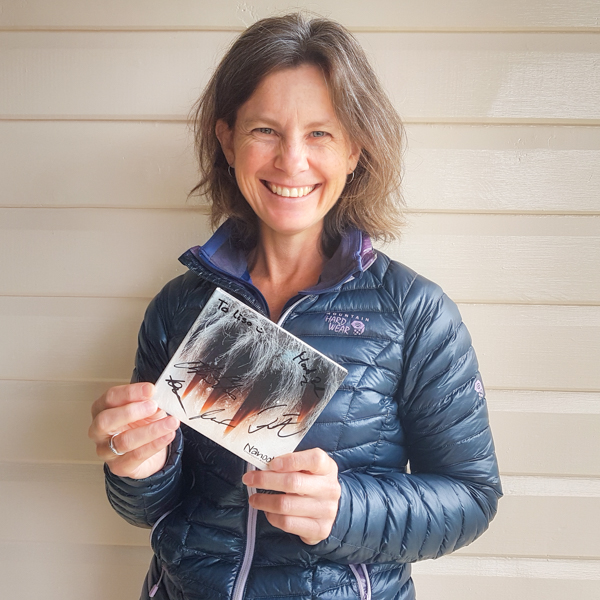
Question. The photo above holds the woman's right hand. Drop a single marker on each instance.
(141, 431)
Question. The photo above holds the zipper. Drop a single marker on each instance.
(284, 316)
(240, 584)
(362, 579)
(238, 590)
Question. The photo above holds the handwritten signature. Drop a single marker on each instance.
(279, 423)
(286, 420)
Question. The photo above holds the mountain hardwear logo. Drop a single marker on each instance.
(346, 323)
(479, 389)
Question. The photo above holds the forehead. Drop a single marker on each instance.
(301, 92)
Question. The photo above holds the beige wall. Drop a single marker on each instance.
(502, 105)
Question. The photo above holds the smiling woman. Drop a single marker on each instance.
(290, 153)
(299, 152)
(355, 102)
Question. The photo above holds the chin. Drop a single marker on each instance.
(291, 227)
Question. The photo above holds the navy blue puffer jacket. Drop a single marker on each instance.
(412, 400)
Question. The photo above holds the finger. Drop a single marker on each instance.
(122, 394)
(113, 420)
(303, 484)
(159, 414)
(314, 461)
(311, 531)
(295, 506)
(134, 464)
(133, 439)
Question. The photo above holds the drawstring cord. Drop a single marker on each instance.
(155, 586)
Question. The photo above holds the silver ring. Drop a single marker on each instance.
(111, 446)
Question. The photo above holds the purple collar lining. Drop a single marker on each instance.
(354, 255)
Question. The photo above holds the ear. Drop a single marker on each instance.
(225, 136)
(353, 157)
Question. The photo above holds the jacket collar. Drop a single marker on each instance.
(354, 255)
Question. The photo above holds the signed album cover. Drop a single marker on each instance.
(246, 383)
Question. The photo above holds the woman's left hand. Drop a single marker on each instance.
(309, 504)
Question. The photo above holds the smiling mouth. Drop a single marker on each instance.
(289, 192)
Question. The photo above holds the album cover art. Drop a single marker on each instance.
(246, 383)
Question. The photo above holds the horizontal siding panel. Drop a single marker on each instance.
(512, 259)
(64, 571)
(536, 347)
(49, 422)
(535, 485)
(71, 512)
(508, 567)
(465, 168)
(471, 587)
(57, 472)
(64, 163)
(534, 401)
(385, 14)
(558, 444)
(105, 74)
(459, 577)
(473, 168)
(531, 347)
(60, 339)
(95, 252)
(489, 77)
(546, 444)
(132, 253)
(542, 526)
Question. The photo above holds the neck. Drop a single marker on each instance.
(281, 266)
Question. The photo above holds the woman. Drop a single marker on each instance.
(299, 150)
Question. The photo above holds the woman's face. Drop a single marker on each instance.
(290, 153)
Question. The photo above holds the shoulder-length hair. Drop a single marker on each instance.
(371, 201)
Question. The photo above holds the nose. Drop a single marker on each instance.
(292, 157)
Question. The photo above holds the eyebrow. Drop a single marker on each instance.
(270, 123)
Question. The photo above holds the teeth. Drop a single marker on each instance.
(286, 192)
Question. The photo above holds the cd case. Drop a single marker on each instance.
(246, 383)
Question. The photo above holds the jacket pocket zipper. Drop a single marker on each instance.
(362, 580)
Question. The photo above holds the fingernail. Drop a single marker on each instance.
(247, 478)
(276, 463)
(147, 389)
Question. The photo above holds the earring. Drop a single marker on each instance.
(229, 170)
(351, 180)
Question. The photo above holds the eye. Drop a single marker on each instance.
(319, 134)
(265, 130)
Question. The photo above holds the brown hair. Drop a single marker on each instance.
(371, 201)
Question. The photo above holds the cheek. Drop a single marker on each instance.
(255, 158)
(336, 162)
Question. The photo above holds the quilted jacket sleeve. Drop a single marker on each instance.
(452, 492)
(143, 501)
